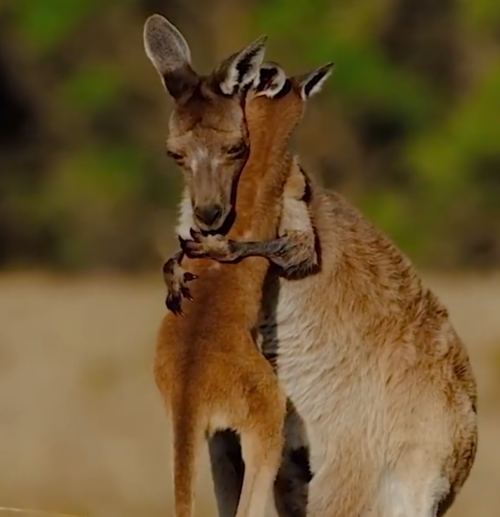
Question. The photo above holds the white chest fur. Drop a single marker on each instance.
(186, 220)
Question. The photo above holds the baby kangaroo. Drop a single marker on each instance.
(212, 376)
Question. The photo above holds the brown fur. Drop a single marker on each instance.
(213, 377)
(384, 396)
(294, 252)
(367, 354)
(380, 378)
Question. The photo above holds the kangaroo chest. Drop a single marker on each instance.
(294, 337)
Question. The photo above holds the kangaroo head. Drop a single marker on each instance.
(275, 103)
(207, 132)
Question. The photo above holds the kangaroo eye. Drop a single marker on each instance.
(175, 156)
(238, 150)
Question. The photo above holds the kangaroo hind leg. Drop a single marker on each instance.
(262, 459)
(261, 436)
(418, 492)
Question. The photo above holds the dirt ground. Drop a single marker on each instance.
(82, 427)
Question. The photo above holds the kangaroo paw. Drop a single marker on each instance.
(176, 279)
(216, 247)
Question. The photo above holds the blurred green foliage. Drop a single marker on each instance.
(408, 121)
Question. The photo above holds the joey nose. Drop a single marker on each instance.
(209, 214)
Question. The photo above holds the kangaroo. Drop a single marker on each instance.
(382, 384)
(373, 366)
(213, 377)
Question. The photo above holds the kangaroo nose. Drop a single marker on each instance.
(208, 214)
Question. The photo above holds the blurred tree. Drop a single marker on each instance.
(406, 128)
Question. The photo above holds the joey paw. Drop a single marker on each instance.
(176, 279)
(216, 247)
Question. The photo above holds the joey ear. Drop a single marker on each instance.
(312, 82)
(270, 81)
(241, 69)
(169, 52)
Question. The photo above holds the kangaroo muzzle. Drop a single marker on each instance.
(208, 216)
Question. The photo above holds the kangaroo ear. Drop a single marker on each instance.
(241, 69)
(312, 82)
(169, 52)
(270, 81)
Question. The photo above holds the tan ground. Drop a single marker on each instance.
(82, 428)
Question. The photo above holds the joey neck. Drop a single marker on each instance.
(261, 183)
(268, 148)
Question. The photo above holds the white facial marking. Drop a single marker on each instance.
(194, 165)
(215, 162)
(199, 155)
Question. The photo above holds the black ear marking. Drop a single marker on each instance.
(270, 81)
(266, 76)
(312, 82)
(245, 65)
(239, 70)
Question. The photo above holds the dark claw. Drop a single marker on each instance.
(189, 276)
(186, 293)
(184, 244)
(168, 266)
(195, 235)
(173, 303)
(192, 249)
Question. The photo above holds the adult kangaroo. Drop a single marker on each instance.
(382, 384)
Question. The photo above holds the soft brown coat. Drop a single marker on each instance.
(367, 354)
(212, 376)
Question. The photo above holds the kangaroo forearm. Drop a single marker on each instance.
(174, 259)
(294, 252)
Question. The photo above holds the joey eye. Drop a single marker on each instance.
(237, 151)
(175, 156)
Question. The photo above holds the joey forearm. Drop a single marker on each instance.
(174, 260)
(294, 252)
